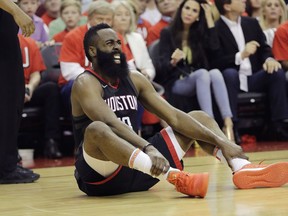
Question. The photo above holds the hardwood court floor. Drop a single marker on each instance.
(56, 194)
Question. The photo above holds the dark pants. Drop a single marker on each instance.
(273, 84)
(66, 97)
(47, 95)
(11, 92)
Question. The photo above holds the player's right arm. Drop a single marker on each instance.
(21, 18)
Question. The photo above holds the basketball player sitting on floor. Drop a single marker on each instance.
(113, 159)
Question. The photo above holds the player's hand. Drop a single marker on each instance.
(160, 164)
(250, 49)
(233, 151)
(177, 55)
(24, 22)
(271, 66)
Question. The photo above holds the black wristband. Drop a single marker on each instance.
(145, 147)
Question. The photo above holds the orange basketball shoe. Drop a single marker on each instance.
(254, 176)
(190, 184)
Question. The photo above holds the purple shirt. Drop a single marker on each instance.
(40, 33)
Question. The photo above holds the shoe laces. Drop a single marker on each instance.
(182, 184)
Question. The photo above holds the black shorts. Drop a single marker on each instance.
(124, 179)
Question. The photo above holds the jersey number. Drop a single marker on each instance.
(127, 121)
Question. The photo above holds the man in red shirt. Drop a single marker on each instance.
(280, 45)
(167, 8)
(46, 95)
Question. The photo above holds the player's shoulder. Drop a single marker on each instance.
(135, 74)
(138, 78)
(84, 79)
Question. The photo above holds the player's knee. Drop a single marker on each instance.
(198, 113)
(97, 130)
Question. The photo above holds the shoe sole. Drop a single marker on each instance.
(27, 180)
(274, 175)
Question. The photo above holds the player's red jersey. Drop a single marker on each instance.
(31, 55)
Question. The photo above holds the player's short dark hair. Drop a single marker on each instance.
(91, 37)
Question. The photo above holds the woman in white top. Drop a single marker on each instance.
(124, 23)
(273, 13)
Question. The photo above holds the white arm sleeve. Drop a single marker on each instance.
(70, 70)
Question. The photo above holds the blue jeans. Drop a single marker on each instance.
(199, 82)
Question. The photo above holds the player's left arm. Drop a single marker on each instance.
(178, 120)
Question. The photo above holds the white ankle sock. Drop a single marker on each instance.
(236, 163)
(165, 176)
(142, 162)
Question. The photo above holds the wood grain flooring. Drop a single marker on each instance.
(56, 193)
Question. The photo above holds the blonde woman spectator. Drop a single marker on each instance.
(273, 14)
(124, 23)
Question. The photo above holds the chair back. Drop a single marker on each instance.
(50, 56)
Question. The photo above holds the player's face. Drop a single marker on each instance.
(29, 6)
(110, 43)
(71, 16)
(110, 59)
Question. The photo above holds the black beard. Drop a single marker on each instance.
(107, 64)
